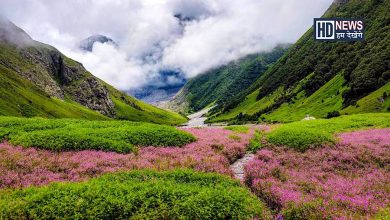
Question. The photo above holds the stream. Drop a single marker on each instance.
(198, 120)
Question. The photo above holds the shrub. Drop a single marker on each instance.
(333, 114)
(256, 142)
(238, 128)
(180, 194)
(306, 210)
(67, 134)
(299, 138)
(235, 137)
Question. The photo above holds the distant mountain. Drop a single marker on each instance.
(87, 44)
(162, 88)
(37, 80)
(322, 79)
(154, 95)
(221, 84)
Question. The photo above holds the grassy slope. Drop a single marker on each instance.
(363, 65)
(129, 108)
(374, 102)
(20, 97)
(304, 134)
(249, 106)
(326, 99)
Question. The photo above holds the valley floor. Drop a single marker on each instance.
(348, 179)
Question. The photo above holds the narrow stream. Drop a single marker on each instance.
(197, 119)
(238, 166)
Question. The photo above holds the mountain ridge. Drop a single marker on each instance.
(219, 84)
(57, 77)
(309, 65)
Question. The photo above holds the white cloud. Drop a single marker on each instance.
(151, 38)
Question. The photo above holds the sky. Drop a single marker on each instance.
(188, 36)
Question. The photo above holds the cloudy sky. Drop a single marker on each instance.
(153, 37)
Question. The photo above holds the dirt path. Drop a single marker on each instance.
(238, 166)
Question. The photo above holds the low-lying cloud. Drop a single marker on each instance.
(189, 36)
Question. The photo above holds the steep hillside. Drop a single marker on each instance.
(37, 80)
(318, 78)
(223, 83)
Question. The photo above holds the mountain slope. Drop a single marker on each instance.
(221, 84)
(320, 77)
(37, 80)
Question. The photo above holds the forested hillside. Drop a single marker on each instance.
(323, 78)
(221, 84)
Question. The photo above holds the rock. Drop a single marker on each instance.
(54, 73)
(308, 118)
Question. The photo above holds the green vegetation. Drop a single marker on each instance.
(249, 106)
(326, 99)
(256, 142)
(305, 134)
(221, 84)
(180, 194)
(238, 128)
(376, 101)
(71, 134)
(20, 97)
(129, 108)
(234, 137)
(320, 77)
(38, 81)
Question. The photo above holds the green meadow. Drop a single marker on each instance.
(73, 134)
(179, 194)
(302, 135)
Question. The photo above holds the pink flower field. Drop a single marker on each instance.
(214, 150)
(348, 180)
(344, 181)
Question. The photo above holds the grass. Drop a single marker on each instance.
(129, 108)
(238, 128)
(19, 97)
(234, 137)
(374, 102)
(180, 194)
(71, 134)
(255, 143)
(305, 134)
(326, 99)
(249, 106)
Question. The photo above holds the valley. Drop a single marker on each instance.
(235, 141)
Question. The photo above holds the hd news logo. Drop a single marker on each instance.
(338, 29)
